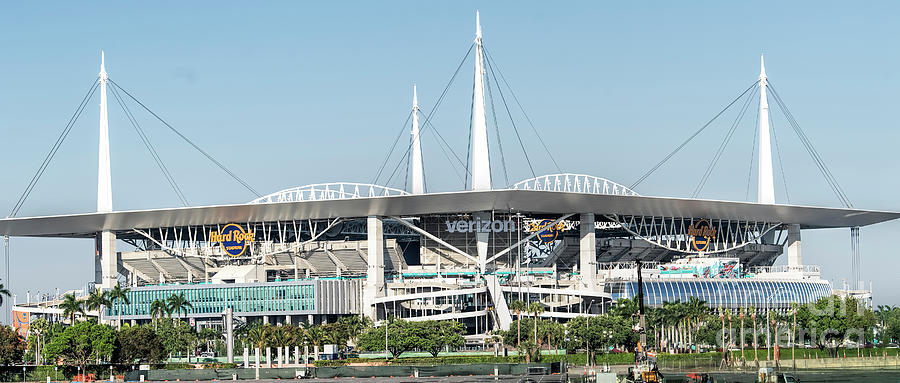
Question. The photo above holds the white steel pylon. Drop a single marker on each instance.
(418, 174)
(481, 165)
(104, 179)
(766, 181)
(107, 275)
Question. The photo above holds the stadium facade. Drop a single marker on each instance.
(568, 241)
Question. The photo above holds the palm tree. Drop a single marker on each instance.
(97, 300)
(38, 330)
(71, 306)
(3, 291)
(178, 304)
(537, 309)
(258, 336)
(117, 295)
(303, 336)
(316, 336)
(157, 309)
(518, 306)
(354, 326)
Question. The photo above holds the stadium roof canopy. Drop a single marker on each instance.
(515, 201)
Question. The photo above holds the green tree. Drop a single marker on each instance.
(598, 333)
(551, 331)
(12, 346)
(892, 329)
(452, 334)
(518, 306)
(38, 330)
(399, 338)
(178, 304)
(258, 336)
(536, 309)
(71, 306)
(354, 325)
(82, 343)
(158, 308)
(176, 336)
(624, 308)
(119, 295)
(834, 319)
(3, 292)
(139, 344)
(435, 336)
(209, 336)
(97, 300)
(316, 337)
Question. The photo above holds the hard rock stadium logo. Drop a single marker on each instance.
(233, 239)
(546, 232)
(701, 234)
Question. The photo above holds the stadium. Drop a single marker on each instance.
(571, 242)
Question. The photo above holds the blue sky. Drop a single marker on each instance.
(291, 93)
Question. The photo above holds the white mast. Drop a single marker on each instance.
(766, 182)
(107, 274)
(418, 175)
(104, 181)
(481, 165)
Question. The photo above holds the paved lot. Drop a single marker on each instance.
(443, 379)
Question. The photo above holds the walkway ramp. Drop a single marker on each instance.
(500, 306)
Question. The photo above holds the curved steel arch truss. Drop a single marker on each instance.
(672, 233)
(574, 183)
(329, 191)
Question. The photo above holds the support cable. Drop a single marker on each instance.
(682, 145)
(391, 150)
(442, 144)
(443, 150)
(183, 137)
(153, 153)
(406, 179)
(497, 128)
(427, 122)
(752, 153)
(519, 104)
(54, 149)
(807, 144)
(469, 140)
(512, 121)
(787, 194)
(721, 150)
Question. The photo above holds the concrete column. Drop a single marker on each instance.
(229, 334)
(588, 251)
(795, 258)
(265, 319)
(482, 239)
(109, 260)
(374, 286)
(246, 358)
(256, 355)
(280, 357)
(297, 354)
(268, 357)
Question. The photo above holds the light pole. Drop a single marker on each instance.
(743, 360)
(387, 352)
(755, 338)
(769, 319)
(724, 346)
(793, 339)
